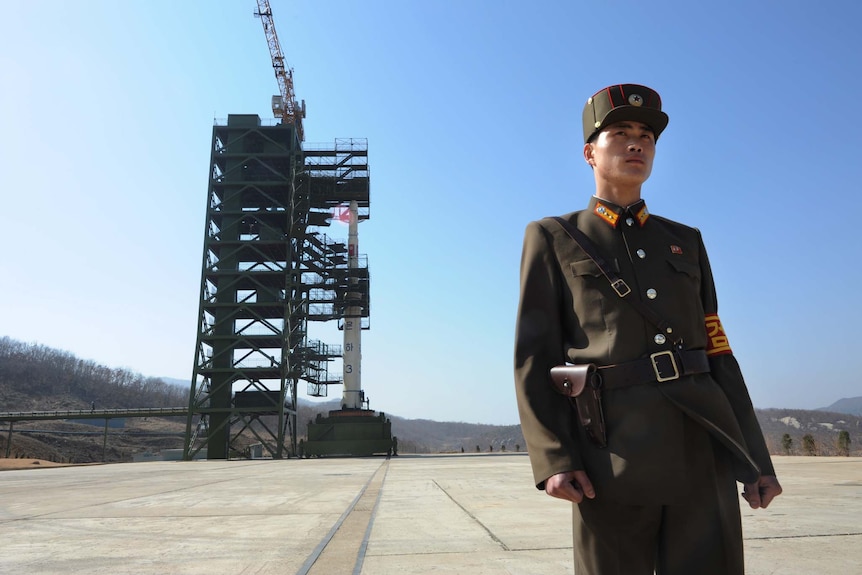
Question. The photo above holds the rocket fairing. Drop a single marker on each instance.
(352, 391)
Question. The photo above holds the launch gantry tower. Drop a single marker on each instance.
(268, 270)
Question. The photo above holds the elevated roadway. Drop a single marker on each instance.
(14, 416)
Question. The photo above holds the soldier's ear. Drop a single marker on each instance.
(589, 154)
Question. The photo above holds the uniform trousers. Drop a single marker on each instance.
(701, 534)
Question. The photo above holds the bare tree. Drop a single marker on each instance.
(787, 444)
(844, 443)
(809, 445)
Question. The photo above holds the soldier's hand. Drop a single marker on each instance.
(761, 493)
(571, 485)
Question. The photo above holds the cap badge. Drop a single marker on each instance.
(636, 100)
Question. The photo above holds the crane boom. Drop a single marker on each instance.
(284, 106)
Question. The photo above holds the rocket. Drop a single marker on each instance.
(352, 391)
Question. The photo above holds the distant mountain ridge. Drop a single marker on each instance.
(34, 378)
(786, 430)
(178, 382)
(850, 405)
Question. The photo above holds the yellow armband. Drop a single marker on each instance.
(717, 343)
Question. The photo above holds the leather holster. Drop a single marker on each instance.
(583, 384)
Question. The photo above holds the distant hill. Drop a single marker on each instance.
(851, 405)
(37, 378)
(178, 382)
(822, 426)
(426, 436)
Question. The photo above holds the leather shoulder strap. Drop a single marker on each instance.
(619, 285)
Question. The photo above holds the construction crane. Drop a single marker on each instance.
(284, 105)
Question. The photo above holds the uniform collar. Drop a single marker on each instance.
(611, 213)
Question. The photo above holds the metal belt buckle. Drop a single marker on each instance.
(621, 287)
(654, 358)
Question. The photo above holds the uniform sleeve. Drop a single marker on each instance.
(726, 372)
(546, 417)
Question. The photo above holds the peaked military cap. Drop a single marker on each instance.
(623, 102)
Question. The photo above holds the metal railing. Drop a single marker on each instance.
(93, 413)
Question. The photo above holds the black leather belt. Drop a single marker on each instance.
(658, 367)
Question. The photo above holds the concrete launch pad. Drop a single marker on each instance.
(470, 514)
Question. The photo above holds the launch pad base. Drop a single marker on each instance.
(349, 433)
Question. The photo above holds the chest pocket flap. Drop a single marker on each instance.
(585, 268)
(687, 268)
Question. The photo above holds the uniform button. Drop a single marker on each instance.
(651, 293)
(630, 222)
(659, 339)
(641, 254)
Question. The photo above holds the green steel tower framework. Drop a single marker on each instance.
(268, 270)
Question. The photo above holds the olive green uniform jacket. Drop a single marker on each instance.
(568, 313)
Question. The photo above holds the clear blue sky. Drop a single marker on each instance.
(472, 114)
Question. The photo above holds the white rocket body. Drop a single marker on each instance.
(352, 392)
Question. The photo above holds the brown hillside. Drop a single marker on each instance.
(36, 378)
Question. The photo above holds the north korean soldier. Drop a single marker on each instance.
(631, 402)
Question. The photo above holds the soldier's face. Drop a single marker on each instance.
(622, 153)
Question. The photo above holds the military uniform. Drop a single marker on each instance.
(666, 439)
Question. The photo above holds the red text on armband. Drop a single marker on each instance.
(716, 343)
